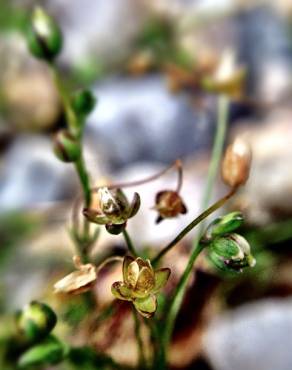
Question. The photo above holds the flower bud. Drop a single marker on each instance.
(236, 163)
(35, 321)
(83, 102)
(49, 352)
(169, 204)
(67, 147)
(224, 225)
(44, 36)
(231, 251)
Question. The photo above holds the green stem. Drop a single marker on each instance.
(129, 243)
(139, 340)
(180, 290)
(76, 127)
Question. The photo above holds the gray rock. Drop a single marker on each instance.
(31, 175)
(139, 120)
(255, 336)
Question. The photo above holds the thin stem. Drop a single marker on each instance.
(75, 125)
(84, 180)
(197, 247)
(129, 243)
(107, 261)
(191, 225)
(176, 164)
(139, 340)
(217, 150)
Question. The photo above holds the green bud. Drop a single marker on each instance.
(224, 225)
(35, 321)
(232, 252)
(44, 37)
(49, 352)
(83, 102)
(115, 229)
(66, 146)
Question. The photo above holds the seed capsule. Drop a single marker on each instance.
(236, 163)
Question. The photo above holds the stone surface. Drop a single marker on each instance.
(255, 336)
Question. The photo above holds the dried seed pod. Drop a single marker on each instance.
(78, 281)
(66, 146)
(44, 37)
(236, 163)
(113, 209)
(169, 204)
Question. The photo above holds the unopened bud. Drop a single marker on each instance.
(224, 225)
(232, 251)
(236, 163)
(44, 36)
(66, 146)
(49, 352)
(35, 321)
(83, 102)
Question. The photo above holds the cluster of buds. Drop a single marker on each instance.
(113, 209)
(140, 284)
(228, 250)
(169, 204)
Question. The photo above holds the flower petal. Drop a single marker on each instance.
(161, 278)
(132, 274)
(95, 216)
(146, 306)
(126, 262)
(121, 291)
(135, 205)
(146, 280)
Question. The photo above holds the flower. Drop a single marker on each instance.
(113, 209)
(79, 281)
(140, 284)
(169, 204)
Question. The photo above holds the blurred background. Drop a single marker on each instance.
(144, 60)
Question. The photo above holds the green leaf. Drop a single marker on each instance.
(49, 352)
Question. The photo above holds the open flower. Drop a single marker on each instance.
(113, 209)
(169, 204)
(140, 284)
(78, 281)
